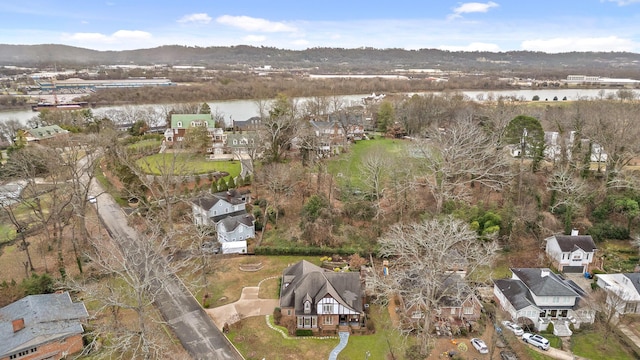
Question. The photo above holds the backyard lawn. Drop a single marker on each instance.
(186, 164)
(590, 344)
(346, 167)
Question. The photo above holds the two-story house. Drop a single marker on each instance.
(329, 136)
(47, 326)
(623, 291)
(537, 297)
(571, 253)
(180, 123)
(321, 300)
(226, 211)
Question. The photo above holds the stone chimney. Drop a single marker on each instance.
(574, 232)
(18, 325)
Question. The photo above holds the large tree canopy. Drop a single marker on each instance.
(527, 132)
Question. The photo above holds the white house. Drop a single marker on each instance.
(537, 296)
(623, 291)
(226, 211)
(233, 232)
(571, 253)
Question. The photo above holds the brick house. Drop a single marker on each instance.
(321, 300)
(47, 326)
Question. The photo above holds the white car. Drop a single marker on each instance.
(513, 327)
(480, 346)
(536, 340)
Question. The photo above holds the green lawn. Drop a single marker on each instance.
(7, 233)
(186, 164)
(346, 167)
(148, 143)
(379, 344)
(591, 345)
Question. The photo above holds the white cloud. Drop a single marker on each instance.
(622, 2)
(201, 18)
(474, 46)
(130, 34)
(472, 7)
(120, 36)
(254, 24)
(559, 45)
(254, 38)
(300, 42)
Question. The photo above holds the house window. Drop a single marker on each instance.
(235, 142)
(577, 256)
(453, 311)
(542, 314)
(417, 315)
(556, 299)
(327, 308)
(23, 353)
(328, 320)
(307, 322)
(300, 321)
(241, 229)
(467, 310)
(179, 124)
(289, 310)
(307, 307)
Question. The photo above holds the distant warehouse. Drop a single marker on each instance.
(598, 80)
(76, 83)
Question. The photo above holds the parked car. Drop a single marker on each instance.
(513, 327)
(480, 345)
(536, 340)
(508, 355)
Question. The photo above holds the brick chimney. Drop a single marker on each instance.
(18, 324)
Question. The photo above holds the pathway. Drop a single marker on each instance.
(344, 339)
(248, 305)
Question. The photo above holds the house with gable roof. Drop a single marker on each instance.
(537, 297)
(321, 300)
(47, 326)
(571, 253)
(180, 123)
(226, 211)
(623, 291)
(43, 133)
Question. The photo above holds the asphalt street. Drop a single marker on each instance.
(189, 322)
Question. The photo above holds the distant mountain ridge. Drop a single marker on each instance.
(327, 59)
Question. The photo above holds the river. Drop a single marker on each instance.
(244, 109)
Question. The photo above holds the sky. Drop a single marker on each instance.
(552, 26)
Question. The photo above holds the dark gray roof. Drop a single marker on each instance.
(570, 243)
(308, 281)
(635, 280)
(233, 197)
(46, 317)
(232, 222)
(543, 282)
(516, 292)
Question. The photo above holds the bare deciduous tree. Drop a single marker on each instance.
(455, 160)
(422, 257)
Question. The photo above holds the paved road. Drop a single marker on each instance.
(189, 322)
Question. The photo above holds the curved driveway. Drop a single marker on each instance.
(248, 305)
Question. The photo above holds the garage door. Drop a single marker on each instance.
(573, 269)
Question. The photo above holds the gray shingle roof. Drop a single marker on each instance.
(47, 317)
(543, 282)
(516, 292)
(232, 222)
(569, 243)
(310, 281)
(635, 280)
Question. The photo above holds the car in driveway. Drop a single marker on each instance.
(513, 327)
(536, 340)
(480, 346)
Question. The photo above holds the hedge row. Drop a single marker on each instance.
(304, 332)
(305, 250)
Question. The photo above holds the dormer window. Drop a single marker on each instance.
(307, 307)
(179, 124)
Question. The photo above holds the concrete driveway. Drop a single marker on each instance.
(248, 305)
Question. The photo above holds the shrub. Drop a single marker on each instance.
(304, 332)
(549, 328)
(607, 230)
(277, 315)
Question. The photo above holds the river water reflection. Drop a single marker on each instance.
(244, 109)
